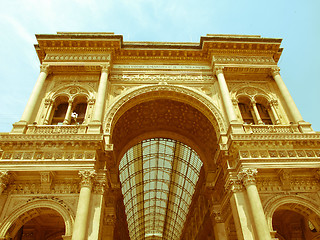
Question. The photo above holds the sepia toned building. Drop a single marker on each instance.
(156, 140)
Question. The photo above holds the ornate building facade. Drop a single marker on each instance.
(155, 140)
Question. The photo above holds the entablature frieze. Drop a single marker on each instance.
(54, 155)
(61, 140)
(158, 78)
(234, 59)
(77, 57)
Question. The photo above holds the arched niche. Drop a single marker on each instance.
(163, 111)
(17, 218)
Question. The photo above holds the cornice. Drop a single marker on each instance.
(218, 44)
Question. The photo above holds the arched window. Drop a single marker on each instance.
(60, 110)
(245, 110)
(69, 111)
(79, 110)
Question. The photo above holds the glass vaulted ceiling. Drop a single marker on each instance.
(158, 178)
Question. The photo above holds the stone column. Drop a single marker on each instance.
(4, 178)
(286, 96)
(247, 176)
(274, 112)
(101, 96)
(81, 221)
(219, 226)
(34, 98)
(67, 118)
(109, 222)
(226, 99)
(49, 105)
(256, 112)
(240, 209)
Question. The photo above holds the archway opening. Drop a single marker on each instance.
(38, 223)
(166, 118)
(158, 178)
(293, 224)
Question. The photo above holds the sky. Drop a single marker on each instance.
(296, 22)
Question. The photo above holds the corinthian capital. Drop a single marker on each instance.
(275, 71)
(4, 178)
(248, 176)
(87, 177)
(218, 69)
(105, 67)
(233, 184)
(44, 68)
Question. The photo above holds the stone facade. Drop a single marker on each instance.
(97, 96)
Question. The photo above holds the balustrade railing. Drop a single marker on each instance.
(57, 129)
(260, 129)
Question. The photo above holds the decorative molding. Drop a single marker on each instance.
(60, 79)
(78, 155)
(162, 78)
(14, 139)
(243, 59)
(76, 57)
(292, 154)
(153, 67)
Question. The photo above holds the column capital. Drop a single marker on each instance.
(218, 69)
(87, 177)
(233, 184)
(105, 67)
(217, 215)
(248, 176)
(4, 179)
(275, 71)
(44, 68)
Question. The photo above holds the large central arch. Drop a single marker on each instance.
(174, 98)
(162, 111)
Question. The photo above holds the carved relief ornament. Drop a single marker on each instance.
(248, 176)
(87, 177)
(4, 178)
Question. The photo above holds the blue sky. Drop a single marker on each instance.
(296, 22)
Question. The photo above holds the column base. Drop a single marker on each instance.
(94, 127)
(305, 127)
(19, 127)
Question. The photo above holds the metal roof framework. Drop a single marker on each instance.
(158, 178)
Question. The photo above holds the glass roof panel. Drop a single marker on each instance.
(158, 178)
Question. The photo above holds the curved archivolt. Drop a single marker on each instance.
(158, 178)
